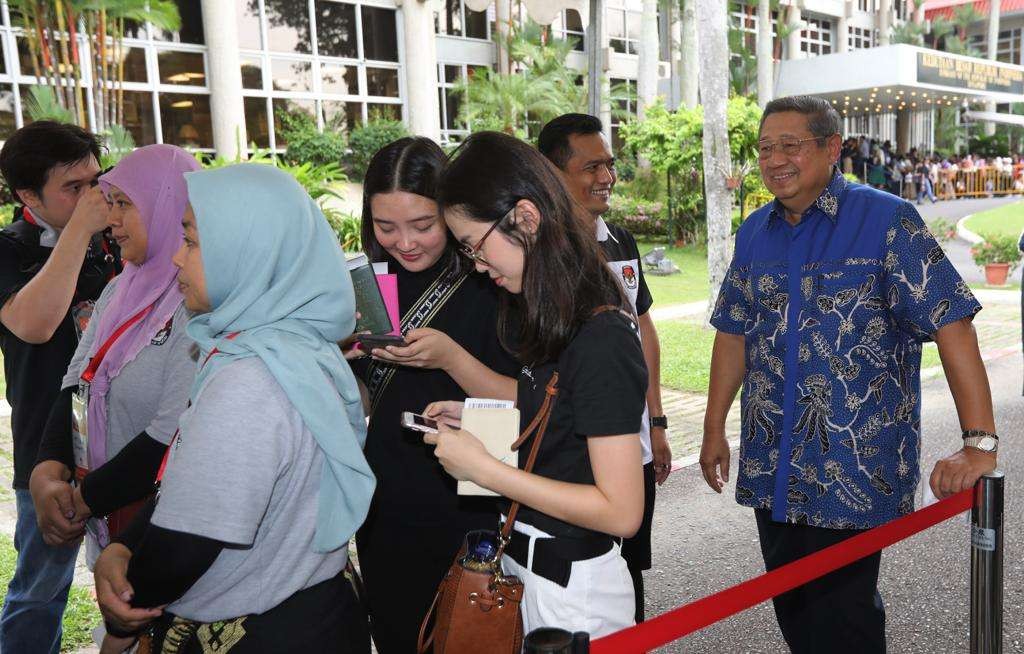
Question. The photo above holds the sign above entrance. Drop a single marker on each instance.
(974, 75)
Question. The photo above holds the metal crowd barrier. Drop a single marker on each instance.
(986, 592)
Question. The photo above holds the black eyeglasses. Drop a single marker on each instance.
(473, 252)
(789, 147)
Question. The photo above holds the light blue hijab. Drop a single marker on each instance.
(274, 273)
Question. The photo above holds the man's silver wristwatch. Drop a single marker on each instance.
(981, 440)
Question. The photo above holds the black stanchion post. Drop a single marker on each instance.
(550, 640)
(987, 565)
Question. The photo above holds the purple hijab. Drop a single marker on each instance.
(153, 179)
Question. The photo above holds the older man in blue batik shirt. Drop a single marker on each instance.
(833, 288)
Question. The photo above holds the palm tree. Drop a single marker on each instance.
(650, 49)
(765, 63)
(714, 93)
(688, 48)
(52, 32)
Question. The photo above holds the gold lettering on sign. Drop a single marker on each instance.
(972, 74)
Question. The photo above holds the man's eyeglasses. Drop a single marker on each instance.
(789, 147)
(473, 251)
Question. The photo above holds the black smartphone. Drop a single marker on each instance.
(369, 342)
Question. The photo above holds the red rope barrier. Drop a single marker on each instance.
(699, 614)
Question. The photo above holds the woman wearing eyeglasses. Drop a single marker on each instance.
(417, 521)
(562, 311)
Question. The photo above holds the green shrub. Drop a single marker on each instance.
(347, 227)
(307, 144)
(641, 217)
(997, 249)
(365, 140)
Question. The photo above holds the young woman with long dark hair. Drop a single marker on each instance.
(561, 311)
(417, 521)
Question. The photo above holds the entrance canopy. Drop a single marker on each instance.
(899, 77)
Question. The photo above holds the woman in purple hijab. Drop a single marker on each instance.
(130, 377)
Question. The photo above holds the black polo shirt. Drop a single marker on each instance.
(33, 372)
(624, 259)
(602, 385)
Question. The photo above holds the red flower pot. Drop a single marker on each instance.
(996, 273)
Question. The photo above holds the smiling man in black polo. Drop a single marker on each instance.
(576, 145)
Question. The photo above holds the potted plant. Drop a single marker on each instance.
(998, 255)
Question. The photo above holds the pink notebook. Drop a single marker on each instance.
(388, 284)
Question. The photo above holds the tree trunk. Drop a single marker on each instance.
(650, 50)
(714, 94)
(993, 50)
(502, 21)
(764, 53)
(688, 46)
(675, 35)
(119, 49)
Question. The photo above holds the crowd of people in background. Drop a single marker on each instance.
(916, 176)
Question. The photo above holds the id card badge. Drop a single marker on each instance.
(80, 430)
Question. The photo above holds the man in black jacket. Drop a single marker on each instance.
(53, 266)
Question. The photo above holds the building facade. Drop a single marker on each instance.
(234, 66)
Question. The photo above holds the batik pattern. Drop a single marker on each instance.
(831, 432)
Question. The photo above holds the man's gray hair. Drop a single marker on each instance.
(822, 118)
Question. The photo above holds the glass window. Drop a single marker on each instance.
(476, 24)
(452, 104)
(6, 111)
(384, 111)
(291, 75)
(186, 120)
(135, 66)
(288, 26)
(25, 57)
(574, 29)
(382, 82)
(191, 30)
(257, 126)
(452, 73)
(336, 29)
(181, 68)
(633, 32)
(343, 80)
(380, 39)
(449, 19)
(283, 106)
(247, 13)
(138, 116)
(252, 73)
(342, 115)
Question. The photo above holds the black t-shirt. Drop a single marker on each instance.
(624, 259)
(34, 372)
(602, 385)
(410, 481)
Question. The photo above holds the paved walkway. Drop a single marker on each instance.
(959, 250)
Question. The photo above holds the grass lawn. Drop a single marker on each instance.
(690, 285)
(685, 355)
(1007, 220)
(930, 356)
(81, 615)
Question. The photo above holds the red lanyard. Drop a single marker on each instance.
(97, 359)
(167, 452)
(29, 218)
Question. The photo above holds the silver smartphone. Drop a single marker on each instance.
(417, 422)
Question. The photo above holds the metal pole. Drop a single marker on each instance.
(593, 44)
(987, 565)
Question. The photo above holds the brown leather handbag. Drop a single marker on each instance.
(477, 608)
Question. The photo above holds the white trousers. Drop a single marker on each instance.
(598, 599)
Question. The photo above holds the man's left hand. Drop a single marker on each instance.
(960, 470)
(662, 452)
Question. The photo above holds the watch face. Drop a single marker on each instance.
(987, 443)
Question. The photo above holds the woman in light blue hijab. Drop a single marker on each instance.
(266, 481)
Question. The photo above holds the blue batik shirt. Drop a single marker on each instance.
(833, 312)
